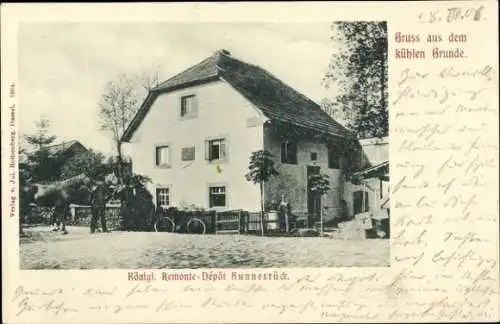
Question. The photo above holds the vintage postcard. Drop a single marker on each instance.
(250, 162)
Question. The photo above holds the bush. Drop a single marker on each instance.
(137, 210)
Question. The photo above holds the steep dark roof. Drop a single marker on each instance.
(274, 98)
(204, 71)
(62, 147)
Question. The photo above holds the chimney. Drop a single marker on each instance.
(225, 52)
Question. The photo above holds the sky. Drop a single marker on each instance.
(64, 67)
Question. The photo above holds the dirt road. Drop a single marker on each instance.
(138, 250)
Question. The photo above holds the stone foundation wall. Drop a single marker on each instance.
(79, 216)
(83, 216)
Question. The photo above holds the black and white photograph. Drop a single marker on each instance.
(203, 145)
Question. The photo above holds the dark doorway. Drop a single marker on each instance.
(313, 202)
(358, 202)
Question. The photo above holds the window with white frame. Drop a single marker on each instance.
(162, 156)
(215, 149)
(188, 106)
(217, 196)
(162, 197)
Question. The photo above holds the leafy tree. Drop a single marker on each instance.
(24, 198)
(44, 167)
(359, 69)
(120, 101)
(38, 165)
(91, 163)
(137, 207)
(261, 168)
(320, 185)
(41, 137)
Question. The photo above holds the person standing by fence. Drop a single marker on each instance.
(98, 200)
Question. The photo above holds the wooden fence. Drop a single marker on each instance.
(273, 222)
(179, 221)
(229, 222)
(196, 222)
(211, 222)
(253, 223)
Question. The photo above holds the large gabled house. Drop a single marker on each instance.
(195, 132)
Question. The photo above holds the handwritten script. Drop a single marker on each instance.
(444, 192)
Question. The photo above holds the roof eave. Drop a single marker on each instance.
(139, 116)
(186, 84)
(372, 170)
(310, 128)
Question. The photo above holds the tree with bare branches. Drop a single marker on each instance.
(118, 105)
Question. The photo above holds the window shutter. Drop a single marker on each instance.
(283, 152)
(180, 102)
(207, 150)
(157, 155)
(166, 155)
(194, 106)
(222, 149)
(188, 153)
(163, 156)
(292, 154)
(367, 202)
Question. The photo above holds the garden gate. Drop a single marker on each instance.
(228, 222)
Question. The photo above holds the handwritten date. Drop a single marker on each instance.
(451, 15)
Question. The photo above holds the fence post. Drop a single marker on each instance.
(216, 222)
(239, 222)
